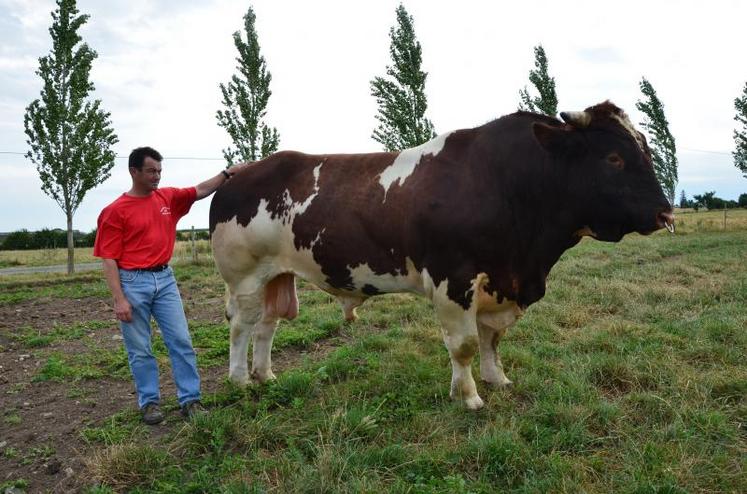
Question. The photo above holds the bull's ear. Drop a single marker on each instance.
(556, 140)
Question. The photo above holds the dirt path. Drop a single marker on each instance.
(42, 423)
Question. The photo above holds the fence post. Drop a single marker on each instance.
(725, 217)
(194, 248)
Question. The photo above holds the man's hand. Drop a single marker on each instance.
(123, 310)
(234, 169)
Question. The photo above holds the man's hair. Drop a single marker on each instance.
(138, 155)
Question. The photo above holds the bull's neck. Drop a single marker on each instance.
(550, 230)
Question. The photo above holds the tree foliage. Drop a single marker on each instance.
(245, 100)
(401, 95)
(547, 101)
(684, 203)
(740, 133)
(711, 201)
(45, 239)
(663, 147)
(69, 135)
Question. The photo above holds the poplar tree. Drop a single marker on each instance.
(69, 135)
(245, 99)
(547, 101)
(740, 135)
(663, 147)
(400, 95)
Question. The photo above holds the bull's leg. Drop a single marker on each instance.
(244, 309)
(491, 327)
(349, 305)
(491, 367)
(459, 328)
(262, 336)
(280, 301)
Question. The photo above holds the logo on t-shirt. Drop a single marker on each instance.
(165, 210)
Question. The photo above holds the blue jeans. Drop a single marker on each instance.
(156, 294)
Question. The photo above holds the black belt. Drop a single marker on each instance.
(155, 269)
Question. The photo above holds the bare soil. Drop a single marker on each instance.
(41, 423)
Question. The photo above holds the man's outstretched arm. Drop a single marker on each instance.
(210, 185)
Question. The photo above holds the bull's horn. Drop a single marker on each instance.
(576, 118)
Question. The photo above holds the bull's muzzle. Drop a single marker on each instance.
(665, 219)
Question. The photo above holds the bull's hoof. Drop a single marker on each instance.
(262, 377)
(503, 383)
(474, 403)
(239, 379)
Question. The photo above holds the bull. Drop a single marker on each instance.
(474, 220)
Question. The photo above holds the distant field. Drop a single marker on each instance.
(688, 221)
(51, 257)
(630, 376)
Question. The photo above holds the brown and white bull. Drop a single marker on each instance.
(474, 220)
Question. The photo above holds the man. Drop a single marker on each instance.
(135, 239)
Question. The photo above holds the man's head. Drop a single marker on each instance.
(145, 168)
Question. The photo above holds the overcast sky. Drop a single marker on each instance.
(160, 62)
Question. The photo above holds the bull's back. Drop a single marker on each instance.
(279, 209)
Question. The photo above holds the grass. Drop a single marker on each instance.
(15, 289)
(630, 376)
(690, 221)
(33, 338)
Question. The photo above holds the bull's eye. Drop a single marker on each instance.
(615, 160)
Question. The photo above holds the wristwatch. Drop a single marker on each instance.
(226, 174)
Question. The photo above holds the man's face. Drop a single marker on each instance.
(149, 176)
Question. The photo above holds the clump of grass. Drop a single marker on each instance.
(58, 368)
(124, 467)
(118, 429)
(12, 418)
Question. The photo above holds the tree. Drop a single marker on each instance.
(663, 147)
(18, 240)
(547, 101)
(711, 201)
(740, 136)
(742, 202)
(245, 100)
(684, 203)
(401, 96)
(69, 135)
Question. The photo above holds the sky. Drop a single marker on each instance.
(160, 63)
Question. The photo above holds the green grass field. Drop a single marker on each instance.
(629, 376)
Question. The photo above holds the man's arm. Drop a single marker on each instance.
(210, 185)
(122, 307)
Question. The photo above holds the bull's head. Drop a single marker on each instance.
(607, 166)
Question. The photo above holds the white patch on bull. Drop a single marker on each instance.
(301, 207)
(625, 122)
(263, 249)
(405, 163)
(409, 281)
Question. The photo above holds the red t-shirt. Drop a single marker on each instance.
(139, 232)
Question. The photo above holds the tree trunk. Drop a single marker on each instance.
(70, 245)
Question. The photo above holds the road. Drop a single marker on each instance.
(62, 268)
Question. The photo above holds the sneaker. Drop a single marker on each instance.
(192, 409)
(152, 414)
